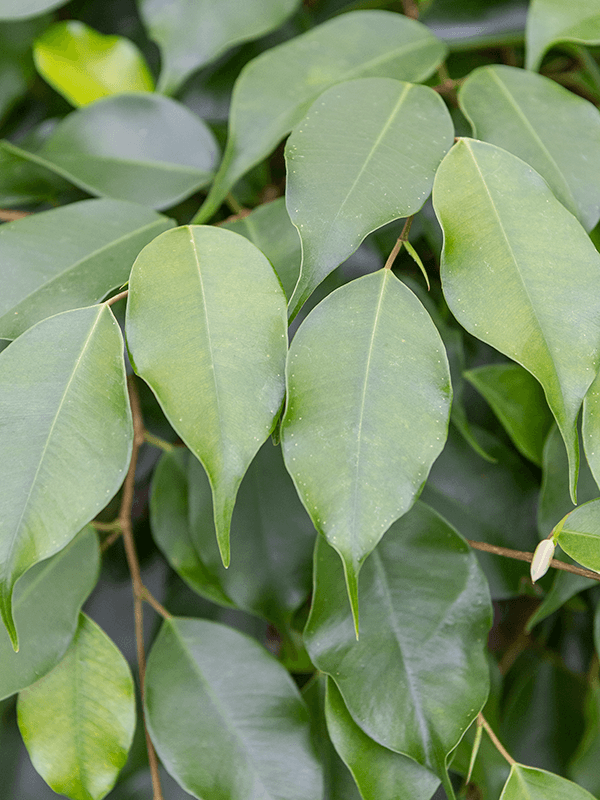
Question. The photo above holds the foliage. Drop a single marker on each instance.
(303, 400)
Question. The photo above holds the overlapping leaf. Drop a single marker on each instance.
(579, 535)
(553, 21)
(519, 272)
(192, 33)
(357, 161)
(139, 147)
(417, 677)
(275, 90)
(591, 428)
(21, 9)
(364, 423)
(209, 692)
(69, 257)
(206, 329)
(65, 437)
(47, 602)
(528, 783)
(78, 721)
(85, 65)
(16, 63)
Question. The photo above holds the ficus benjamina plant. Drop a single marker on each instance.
(299, 399)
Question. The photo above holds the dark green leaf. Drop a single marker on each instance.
(584, 765)
(564, 586)
(16, 65)
(553, 21)
(226, 718)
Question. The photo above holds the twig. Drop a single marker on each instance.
(139, 590)
(399, 242)
(521, 555)
(119, 296)
(410, 8)
(497, 743)
(8, 215)
(156, 441)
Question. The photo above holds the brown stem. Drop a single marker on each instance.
(399, 242)
(410, 8)
(497, 743)
(8, 215)
(119, 296)
(521, 555)
(139, 590)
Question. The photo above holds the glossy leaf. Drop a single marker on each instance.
(22, 9)
(553, 21)
(504, 233)
(527, 783)
(47, 602)
(207, 331)
(591, 428)
(269, 227)
(417, 676)
(78, 721)
(43, 273)
(580, 535)
(84, 65)
(226, 719)
(519, 403)
(363, 424)
(65, 437)
(553, 130)
(379, 773)
(357, 161)
(192, 33)
(275, 90)
(272, 537)
(139, 147)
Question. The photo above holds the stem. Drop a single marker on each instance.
(410, 9)
(119, 296)
(233, 204)
(521, 555)
(150, 438)
(8, 215)
(399, 242)
(496, 742)
(139, 590)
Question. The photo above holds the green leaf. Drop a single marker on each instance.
(192, 33)
(357, 161)
(47, 602)
(226, 719)
(564, 586)
(528, 783)
(379, 773)
(65, 434)
(269, 227)
(363, 424)
(209, 336)
(417, 677)
(591, 428)
(553, 21)
(553, 130)
(139, 147)
(275, 90)
(21, 9)
(580, 535)
(84, 65)
(519, 403)
(43, 273)
(16, 64)
(272, 537)
(22, 182)
(504, 234)
(78, 721)
(584, 765)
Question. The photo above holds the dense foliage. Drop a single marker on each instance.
(300, 340)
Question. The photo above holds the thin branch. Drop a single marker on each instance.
(139, 590)
(119, 296)
(160, 609)
(410, 9)
(8, 215)
(497, 743)
(156, 441)
(399, 242)
(521, 555)
(106, 527)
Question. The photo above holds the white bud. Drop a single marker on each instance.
(543, 555)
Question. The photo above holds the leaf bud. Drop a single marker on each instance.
(542, 557)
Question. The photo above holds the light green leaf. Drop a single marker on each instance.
(78, 721)
(553, 21)
(272, 537)
(47, 602)
(139, 147)
(504, 234)
(226, 719)
(65, 437)
(553, 130)
(192, 33)
(417, 677)
(591, 428)
(357, 161)
(363, 424)
(579, 536)
(528, 783)
(84, 65)
(44, 271)
(275, 90)
(21, 9)
(206, 328)
(379, 773)
(519, 403)
(269, 227)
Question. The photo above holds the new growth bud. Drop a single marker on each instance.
(542, 557)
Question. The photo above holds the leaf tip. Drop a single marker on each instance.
(9, 622)
(351, 573)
